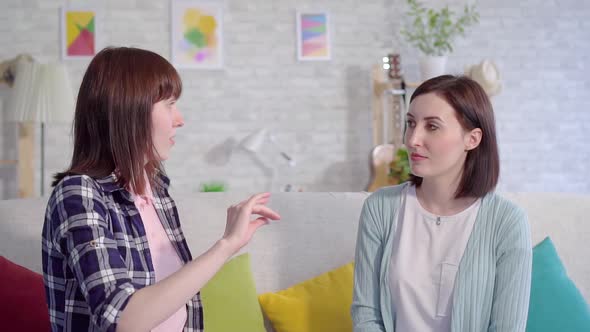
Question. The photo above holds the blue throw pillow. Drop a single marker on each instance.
(556, 304)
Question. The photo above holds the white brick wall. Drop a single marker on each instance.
(320, 111)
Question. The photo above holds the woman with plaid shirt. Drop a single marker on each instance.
(114, 254)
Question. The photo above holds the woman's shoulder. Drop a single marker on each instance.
(388, 193)
(506, 215)
(77, 182)
(386, 198)
(502, 206)
(73, 196)
(76, 188)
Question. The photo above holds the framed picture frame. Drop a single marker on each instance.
(197, 34)
(79, 32)
(313, 36)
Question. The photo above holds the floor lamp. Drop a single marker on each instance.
(42, 93)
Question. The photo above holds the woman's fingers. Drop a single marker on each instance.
(254, 199)
(259, 222)
(246, 207)
(266, 212)
(261, 198)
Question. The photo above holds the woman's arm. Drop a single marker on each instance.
(512, 287)
(76, 232)
(151, 305)
(365, 309)
(77, 229)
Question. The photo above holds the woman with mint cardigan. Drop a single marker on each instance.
(443, 252)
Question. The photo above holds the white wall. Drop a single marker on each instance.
(320, 111)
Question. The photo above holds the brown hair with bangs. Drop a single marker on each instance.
(112, 122)
(473, 110)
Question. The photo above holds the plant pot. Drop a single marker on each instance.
(432, 66)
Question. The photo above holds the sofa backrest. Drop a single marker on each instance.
(317, 232)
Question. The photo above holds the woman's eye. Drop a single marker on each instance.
(432, 127)
(410, 123)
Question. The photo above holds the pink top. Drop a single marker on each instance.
(164, 257)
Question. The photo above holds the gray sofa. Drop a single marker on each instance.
(317, 232)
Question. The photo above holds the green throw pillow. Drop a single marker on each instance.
(230, 302)
(556, 304)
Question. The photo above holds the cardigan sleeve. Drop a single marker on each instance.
(512, 286)
(365, 309)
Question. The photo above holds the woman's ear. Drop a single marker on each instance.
(472, 139)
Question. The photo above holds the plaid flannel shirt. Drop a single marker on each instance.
(96, 254)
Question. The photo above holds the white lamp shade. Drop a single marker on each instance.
(254, 141)
(41, 93)
(20, 100)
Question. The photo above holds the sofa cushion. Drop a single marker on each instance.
(229, 299)
(318, 304)
(23, 306)
(556, 304)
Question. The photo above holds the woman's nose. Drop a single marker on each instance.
(413, 137)
(178, 119)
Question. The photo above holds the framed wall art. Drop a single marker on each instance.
(78, 32)
(197, 34)
(313, 36)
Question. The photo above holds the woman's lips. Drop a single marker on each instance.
(416, 156)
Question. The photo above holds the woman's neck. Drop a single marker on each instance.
(437, 196)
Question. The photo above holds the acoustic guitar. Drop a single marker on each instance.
(379, 159)
(382, 155)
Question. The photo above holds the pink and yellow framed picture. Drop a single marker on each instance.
(313, 36)
(78, 32)
(197, 34)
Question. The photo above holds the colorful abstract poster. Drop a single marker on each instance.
(197, 39)
(78, 28)
(313, 36)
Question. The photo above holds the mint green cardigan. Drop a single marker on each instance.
(492, 286)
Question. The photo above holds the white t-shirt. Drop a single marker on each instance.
(426, 253)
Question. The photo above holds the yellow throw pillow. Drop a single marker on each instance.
(317, 305)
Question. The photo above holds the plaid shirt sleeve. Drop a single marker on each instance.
(79, 231)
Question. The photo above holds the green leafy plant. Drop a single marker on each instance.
(213, 187)
(399, 168)
(433, 32)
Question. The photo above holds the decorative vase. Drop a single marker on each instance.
(432, 66)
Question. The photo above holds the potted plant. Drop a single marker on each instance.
(399, 168)
(433, 32)
(213, 186)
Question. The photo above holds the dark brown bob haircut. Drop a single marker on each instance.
(112, 126)
(473, 110)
